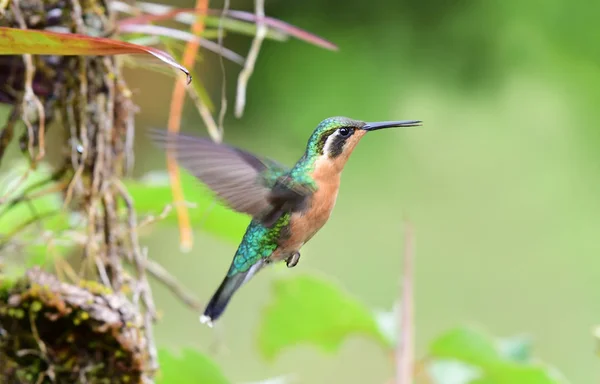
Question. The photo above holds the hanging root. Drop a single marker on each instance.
(51, 331)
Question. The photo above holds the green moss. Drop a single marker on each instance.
(16, 313)
(70, 327)
(36, 306)
(95, 287)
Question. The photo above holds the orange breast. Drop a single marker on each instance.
(305, 225)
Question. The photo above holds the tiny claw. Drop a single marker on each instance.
(292, 261)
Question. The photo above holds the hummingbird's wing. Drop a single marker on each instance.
(241, 180)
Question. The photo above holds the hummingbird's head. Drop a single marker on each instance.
(335, 138)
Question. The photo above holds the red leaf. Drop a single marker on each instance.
(279, 25)
(22, 41)
(285, 28)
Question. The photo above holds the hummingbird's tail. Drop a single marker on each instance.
(218, 302)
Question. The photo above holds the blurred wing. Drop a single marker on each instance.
(233, 174)
(237, 177)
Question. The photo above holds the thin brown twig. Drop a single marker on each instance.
(151, 219)
(102, 273)
(31, 98)
(169, 281)
(108, 177)
(110, 239)
(71, 186)
(223, 108)
(78, 152)
(129, 134)
(29, 73)
(36, 335)
(143, 264)
(77, 16)
(405, 347)
(215, 131)
(150, 313)
(246, 72)
(149, 333)
(139, 258)
(41, 115)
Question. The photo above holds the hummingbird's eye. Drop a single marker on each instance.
(345, 132)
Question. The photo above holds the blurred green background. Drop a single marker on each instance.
(501, 182)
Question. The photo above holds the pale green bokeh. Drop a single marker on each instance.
(501, 182)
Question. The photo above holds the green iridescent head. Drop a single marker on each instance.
(337, 135)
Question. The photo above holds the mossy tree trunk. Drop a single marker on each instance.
(52, 331)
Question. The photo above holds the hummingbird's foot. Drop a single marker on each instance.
(293, 260)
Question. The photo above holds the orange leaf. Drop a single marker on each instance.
(189, 56)
(27, 41)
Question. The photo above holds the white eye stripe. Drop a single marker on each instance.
(329, 142)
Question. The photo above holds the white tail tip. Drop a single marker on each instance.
(206, 320)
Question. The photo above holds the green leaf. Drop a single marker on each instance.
(23, 220)
(387, 321)
(452, 372)
(467, 345)
(14, 41)
(517, 348)
(515, 373)
(12, 187)
(500, 362)
(189, 367)
(154, 193)
(307, 309)
(274, 380)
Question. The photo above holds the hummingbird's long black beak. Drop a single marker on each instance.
(391, 124)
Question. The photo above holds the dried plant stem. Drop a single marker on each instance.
(79, 156)
(30, 98)
(142, 289)
(244, 77)
(215, 131)
(405, 347)
(169, 281)
(223, 108)
(153, 219)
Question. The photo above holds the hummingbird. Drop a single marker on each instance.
(288, 206)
